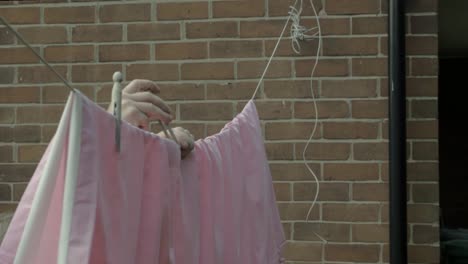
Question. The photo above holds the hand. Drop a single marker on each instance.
(185, 138)
(141, 105)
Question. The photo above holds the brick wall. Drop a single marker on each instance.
(207, 57)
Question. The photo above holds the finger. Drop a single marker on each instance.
(153, 113)
(148, 97)
(138, 85)
(135, 117)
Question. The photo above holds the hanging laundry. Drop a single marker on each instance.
(87, 203)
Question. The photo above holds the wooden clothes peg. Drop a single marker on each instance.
(117, 102)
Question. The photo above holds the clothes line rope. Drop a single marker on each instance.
(18, 35)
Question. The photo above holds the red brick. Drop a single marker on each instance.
(20, 15)
(30, 153)
(383, 45)
(287, 229)
(178, 11)
(27, 133)
(279, 151)
(268, 110)
(331, 232)
(94, 73)
(44, 35)
(281, 7)
(370, 25)
(370, 233)
(69, 53)
(293, 171)
(427, 87)
(361, 109)
(423, 254)
(422, 6)
(182, 91)
(423, 24)
(350, 130)
(349, 88)
(214, 128)
(6, 153)
(261, 28)
(298, 211)
(124, 52)
(425, 150)
(97, 33)
(302, 251)
(39, 114)
(344, 7)
(424, 67)
(285, 49)
(6, 37)
(371, 151)
(155, 72)
(6, 134)
(125, 12)
(421, 45)
(18, 190)
(332, 26)
(48, 131)
(350, 212)
(370, 192)
(42, 1)
(5, 192)
(350, 46)
(425, 192)
(152, 31)
(325, 67)
(17, 56)
(328, 191)
(239, 8)
(207, 71)
(230, 90)
(7, 75)
(423, 213)
(7, 115)
(290, 130)
(217, 29)
(57, 94)
(324, 151)
(254, 69)
(206, 111)
(16, 172)
(19, 95)
(424, 109)
(282, 191)
(7, 208)
(77, 14)
(360, 253)
(40, 74)
(289, 88)
(351, 171)
(236, 49)
(422, 129)
(423, 171)
(326, 109)
(370, 67)
(181, 51)
(425, 234)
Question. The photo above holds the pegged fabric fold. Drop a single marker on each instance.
(87, 203)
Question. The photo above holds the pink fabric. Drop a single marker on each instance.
(146, 205)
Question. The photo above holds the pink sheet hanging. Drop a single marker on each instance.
(86, 203)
